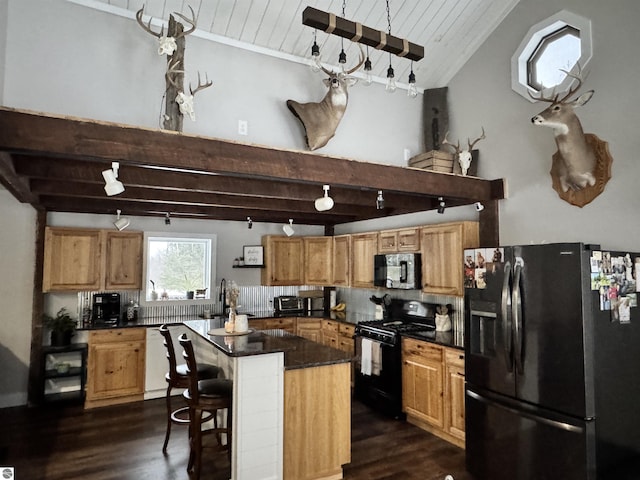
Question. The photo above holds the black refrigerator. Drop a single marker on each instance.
(552, 343)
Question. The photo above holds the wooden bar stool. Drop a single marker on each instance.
(177, 377)
(205, 397)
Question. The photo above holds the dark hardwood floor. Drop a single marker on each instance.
(125, 443)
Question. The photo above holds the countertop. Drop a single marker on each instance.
(298, 352)
(447, 339)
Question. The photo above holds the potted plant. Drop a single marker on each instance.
(62, 327)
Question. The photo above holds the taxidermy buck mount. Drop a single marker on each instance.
(463, 155)
(582, 165)
(177, 103)
(321, 119)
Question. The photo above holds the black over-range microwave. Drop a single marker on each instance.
(398, 270)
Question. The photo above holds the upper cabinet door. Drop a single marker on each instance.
(342, 260)
(283, 260)
(442, 251)
(72, 259)
(318, 256)
(403, 240)
(363, 248)
(123, 261)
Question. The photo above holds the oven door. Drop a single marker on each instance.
(379, 386)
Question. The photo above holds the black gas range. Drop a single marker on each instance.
(378, 375)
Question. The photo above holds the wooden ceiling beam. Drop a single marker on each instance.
(33, 133)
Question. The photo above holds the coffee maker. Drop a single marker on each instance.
(106, 308)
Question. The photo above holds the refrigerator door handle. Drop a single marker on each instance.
(516, 307)
(506, 318)
(523, 413)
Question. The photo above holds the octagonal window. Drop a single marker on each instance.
(562, 42)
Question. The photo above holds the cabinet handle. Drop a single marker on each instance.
(461, 374)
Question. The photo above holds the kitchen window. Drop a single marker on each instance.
(179, 267)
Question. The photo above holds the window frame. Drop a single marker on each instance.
(212, 237)
(531, 41)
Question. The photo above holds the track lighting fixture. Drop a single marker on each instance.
(167, 219)
(441, 205)
(325, 202)
(112, 185)
(121, 222)
(249, 223)
(379, 201)
(479, 206)
(288, 229)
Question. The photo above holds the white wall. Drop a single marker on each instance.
(17, 260)
(521, 152)
(4, 19)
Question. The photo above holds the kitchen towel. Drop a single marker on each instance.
(376, 358)
(365, 357)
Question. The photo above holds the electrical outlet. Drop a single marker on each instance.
(243, 127)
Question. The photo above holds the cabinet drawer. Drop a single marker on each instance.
(309, 323)
(454, 357)
(424, 350)
(330, 326)
(347, 330)
(117, 335)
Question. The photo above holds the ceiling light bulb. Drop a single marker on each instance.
(412, 91)
(315, 55)
(325, 202)
(368, 78)
(391, 82)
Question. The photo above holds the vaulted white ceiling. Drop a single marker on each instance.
(450, 30)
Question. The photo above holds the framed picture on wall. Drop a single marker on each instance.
(253, 255)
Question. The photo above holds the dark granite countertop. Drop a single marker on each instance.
(446, 339)
(298, 352)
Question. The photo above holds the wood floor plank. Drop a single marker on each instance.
(124, 442)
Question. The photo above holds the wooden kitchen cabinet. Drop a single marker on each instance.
(341, 260)
(72, 259)
(283, 257)
(330, 334)
(364, 246)
(90, 259)
(442, 248)
(309, 328)
(286, 323)
(318, 256)
(116, 366)
(422, 381)
(433, 388)
(454, 394)
(346, 341)
(402, 240)
(123, 260)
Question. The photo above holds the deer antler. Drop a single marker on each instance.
(191, 21)
(147, 27)
(481, 137)
(360, 63)
(555, 95)
(447, 142)
(170, 71)
(201, 86)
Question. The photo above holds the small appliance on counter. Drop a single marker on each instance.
(288, 304)
(106, 308)
(314, 301)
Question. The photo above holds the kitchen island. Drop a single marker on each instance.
(291, 402)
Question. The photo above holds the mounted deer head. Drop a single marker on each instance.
(321, 119)
(463, 155)
(578, 159)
